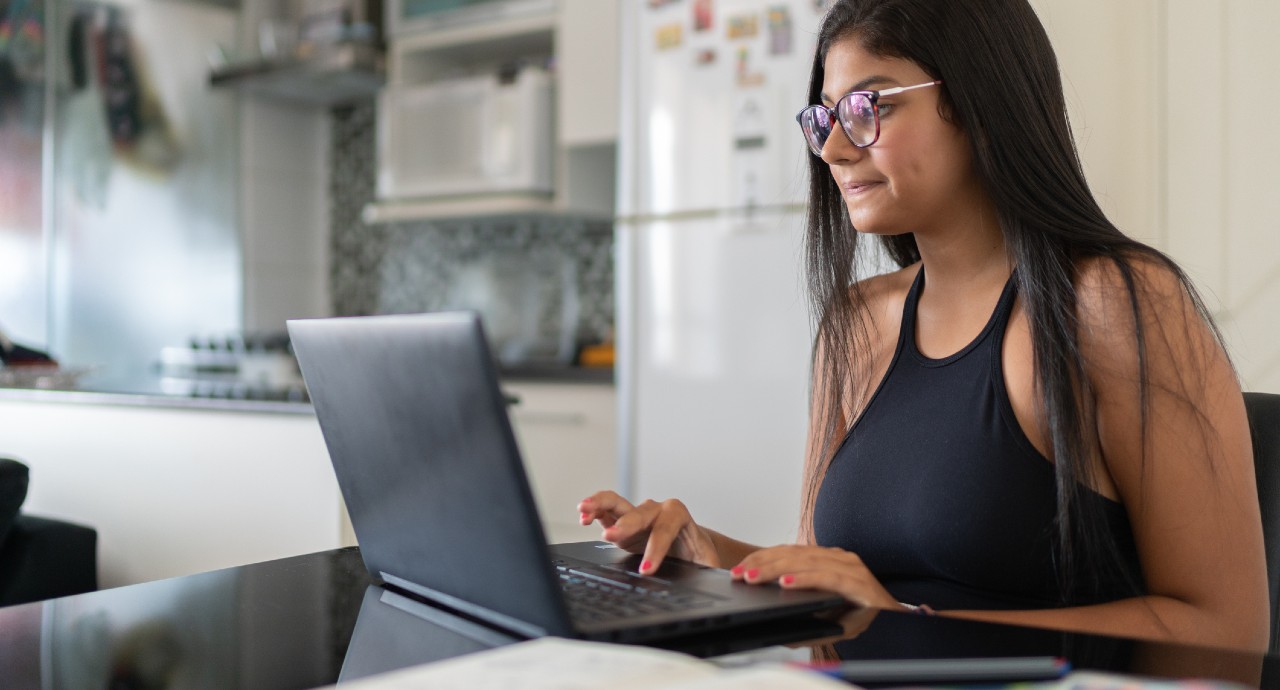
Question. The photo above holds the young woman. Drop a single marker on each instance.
(1033, 420)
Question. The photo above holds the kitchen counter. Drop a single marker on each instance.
(240, 479)
(152, 392)
(157, 392)
(557, 374)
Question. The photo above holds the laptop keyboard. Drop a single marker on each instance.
(595, 593)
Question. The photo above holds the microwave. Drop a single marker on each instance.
(468, 136)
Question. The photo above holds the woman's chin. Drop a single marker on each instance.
(867, 223)
(876, 229)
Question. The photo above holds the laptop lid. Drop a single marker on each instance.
(417, 430)
(424, 453)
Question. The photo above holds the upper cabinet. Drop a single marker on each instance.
(498, 107)
(587, 52)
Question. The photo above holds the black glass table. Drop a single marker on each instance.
(318, 619)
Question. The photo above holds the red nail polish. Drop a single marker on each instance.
(736, 570)
(787, 579)
(753, 573)
(644, 567)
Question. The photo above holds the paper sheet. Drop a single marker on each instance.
(562, 664)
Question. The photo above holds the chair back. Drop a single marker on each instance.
(1264, 424)
(13, 491)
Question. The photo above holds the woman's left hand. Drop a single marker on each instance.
(815, 567)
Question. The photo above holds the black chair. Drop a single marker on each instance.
(1264, 423)
(40, 558)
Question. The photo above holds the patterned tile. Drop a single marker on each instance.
(544, 284)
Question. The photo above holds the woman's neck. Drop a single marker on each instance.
(966, 255)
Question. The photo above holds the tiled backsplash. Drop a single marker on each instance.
(544, 283)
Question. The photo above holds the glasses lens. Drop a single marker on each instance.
(815, 122)
(858, 117)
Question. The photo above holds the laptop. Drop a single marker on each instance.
(417, 430)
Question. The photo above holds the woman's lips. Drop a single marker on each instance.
(856, 188)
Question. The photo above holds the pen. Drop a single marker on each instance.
(967, 670)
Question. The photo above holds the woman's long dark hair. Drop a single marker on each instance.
(1001, 86)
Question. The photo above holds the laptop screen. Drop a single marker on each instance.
(424, 454)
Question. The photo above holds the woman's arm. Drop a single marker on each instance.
(730, 550)
(1187, 484)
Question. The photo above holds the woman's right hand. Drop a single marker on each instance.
(650, 528)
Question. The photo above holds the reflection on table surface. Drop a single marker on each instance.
(279, 624)
(316, 619)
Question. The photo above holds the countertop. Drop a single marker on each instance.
(154, 392)
(213, 394)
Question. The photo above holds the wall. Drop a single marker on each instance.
(1180, 147)
(1221, 144)
(284, 176)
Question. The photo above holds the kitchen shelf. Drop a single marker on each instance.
(467, 24)
(474, 41)
(345, 73)
(431, 55)
(488, 205)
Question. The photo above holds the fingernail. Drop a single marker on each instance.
(644, 567)
(736, 570)
(787, 579)
(753, 573)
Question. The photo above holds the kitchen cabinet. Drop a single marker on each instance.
(575, 39)
(567, 434)
(176, 490)
(589, 72)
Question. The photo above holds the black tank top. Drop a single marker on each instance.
(941, 494)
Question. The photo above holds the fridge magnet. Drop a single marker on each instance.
(747, 143)
(743, 26)
(669, 36)
(751, 157)
(703, 14)
(746, 76)
(705, 56)
(779, 20)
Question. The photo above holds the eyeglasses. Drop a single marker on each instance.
(858, 113)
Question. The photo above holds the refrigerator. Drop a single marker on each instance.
(119, 181)
(714, 336)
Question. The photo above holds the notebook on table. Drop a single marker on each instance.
(417, 429)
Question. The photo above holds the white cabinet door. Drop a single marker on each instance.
(567, 437)
(587, 58)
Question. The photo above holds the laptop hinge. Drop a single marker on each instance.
(489, 616)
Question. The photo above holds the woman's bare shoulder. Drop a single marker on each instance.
(1116, 296)
(885, 294)
(1107, 287)
(1139, 321)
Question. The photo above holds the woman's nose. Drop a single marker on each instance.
(838, 148)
